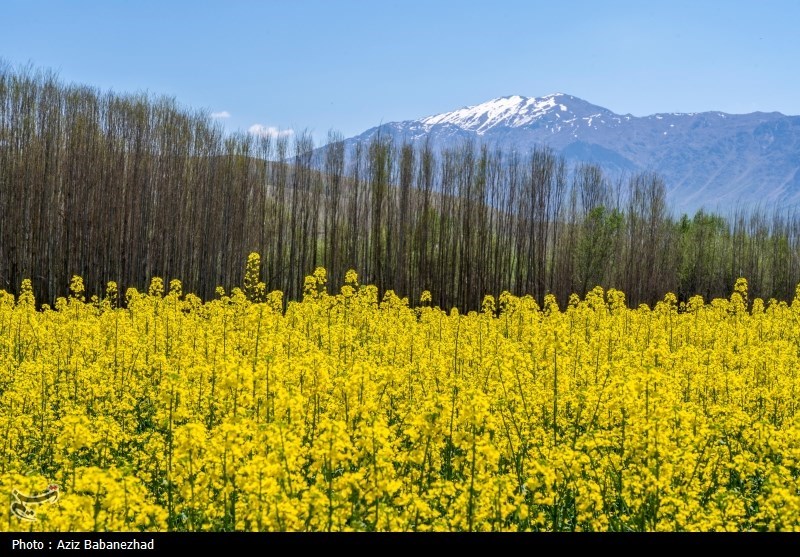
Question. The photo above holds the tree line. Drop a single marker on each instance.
(123, 188)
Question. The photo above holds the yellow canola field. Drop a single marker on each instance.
(349, 412)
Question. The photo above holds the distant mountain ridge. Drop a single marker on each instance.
(707, 159)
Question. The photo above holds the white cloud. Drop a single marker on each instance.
(268, 131)
(218, 115)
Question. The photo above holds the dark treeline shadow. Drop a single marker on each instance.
(127, 187)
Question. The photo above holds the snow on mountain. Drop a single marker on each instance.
(514, 111)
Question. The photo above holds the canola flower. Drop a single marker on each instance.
(350, 412)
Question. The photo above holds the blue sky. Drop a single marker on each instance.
(350, 65)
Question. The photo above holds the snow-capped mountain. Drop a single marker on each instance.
(709, 159)
(516, 112)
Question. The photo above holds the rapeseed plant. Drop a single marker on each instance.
(356, 411)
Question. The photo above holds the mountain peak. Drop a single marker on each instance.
(515, 111)
(512, 111)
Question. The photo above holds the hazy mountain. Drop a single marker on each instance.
(709, 159)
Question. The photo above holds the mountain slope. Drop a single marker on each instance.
(710, 159)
